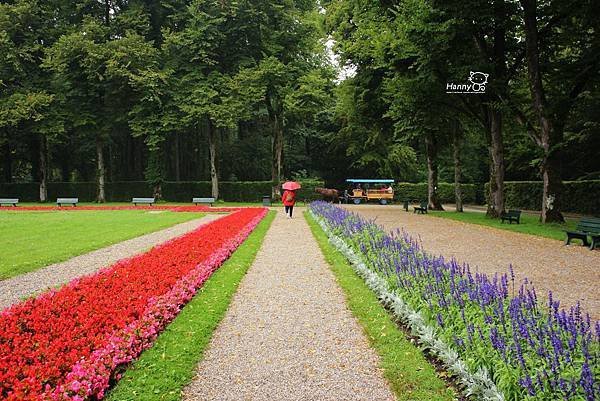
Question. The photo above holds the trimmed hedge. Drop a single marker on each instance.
(246, 191)
(85, 191)
(581, 197)
(418, 192)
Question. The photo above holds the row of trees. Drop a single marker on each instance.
(182, 90)
(150, 89)
(541, 97)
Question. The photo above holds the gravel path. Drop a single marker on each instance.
(571, 272)
(288, 334)
(14, 289)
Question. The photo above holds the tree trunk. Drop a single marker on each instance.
(491, 195)
(109, 174)
(101, 172)
(432, 173)
(456, 147)
(277, 162)
(43, 168)
(7, 162)
(553, 187)
(549, 137)
(497, 152)
(212, 146)
(157, 191)
(177, 157)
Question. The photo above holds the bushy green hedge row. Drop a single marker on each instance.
(248, 191)
(578, 196)
(418, 192)
(85, 191)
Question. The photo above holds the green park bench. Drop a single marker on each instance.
(208, 201)
(7, 201)
(587, 227)
(143, 201)
(422, 208)
(511, 215)
(67, 201)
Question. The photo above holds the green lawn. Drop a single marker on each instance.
(163, 370)
(410, 375)
(31, 240)
(530, 224)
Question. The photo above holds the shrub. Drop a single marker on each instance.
(418, 192)
(578, 196)
(183, 191)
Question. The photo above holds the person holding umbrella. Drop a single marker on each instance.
(289, 197)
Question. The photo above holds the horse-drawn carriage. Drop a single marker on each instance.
(379, 190)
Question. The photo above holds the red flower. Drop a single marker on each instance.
(67, 343)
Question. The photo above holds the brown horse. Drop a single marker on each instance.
(330, 195)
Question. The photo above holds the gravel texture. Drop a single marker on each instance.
(288, 334)
(14, 289)
(572, 273)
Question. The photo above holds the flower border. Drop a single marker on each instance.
(478, 384)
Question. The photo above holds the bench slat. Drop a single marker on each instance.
(150, 201)
(210, 201)
(588, 229)
(68, 201)
(9, 201)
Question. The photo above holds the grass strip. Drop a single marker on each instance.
(530, 224)
(36, 239)
(164, 370)
(406, 369)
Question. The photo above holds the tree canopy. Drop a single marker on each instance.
(185, 90)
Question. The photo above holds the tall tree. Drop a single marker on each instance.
(27, 106)
(94, 69)
(576, 55)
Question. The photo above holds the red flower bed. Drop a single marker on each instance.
(67, 343)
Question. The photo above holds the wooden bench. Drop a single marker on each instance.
(143, 201)
(511, 215)
(587, 227)
(208, 201)
(13, 202)
(67, 201)
(422, 208)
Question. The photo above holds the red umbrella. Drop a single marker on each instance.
(291, 186)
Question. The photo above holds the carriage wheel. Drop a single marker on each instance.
(356, 201)
(383, 201)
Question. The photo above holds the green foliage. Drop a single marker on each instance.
(162, 371)
(144, 79)
(578, 196)
(85, 191)
(418, 192)
(59, 236)
(183, 191)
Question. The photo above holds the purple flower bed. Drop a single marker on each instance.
(531, 349)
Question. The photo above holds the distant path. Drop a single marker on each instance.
(14, 289)
(288, 334)
(571, 272)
